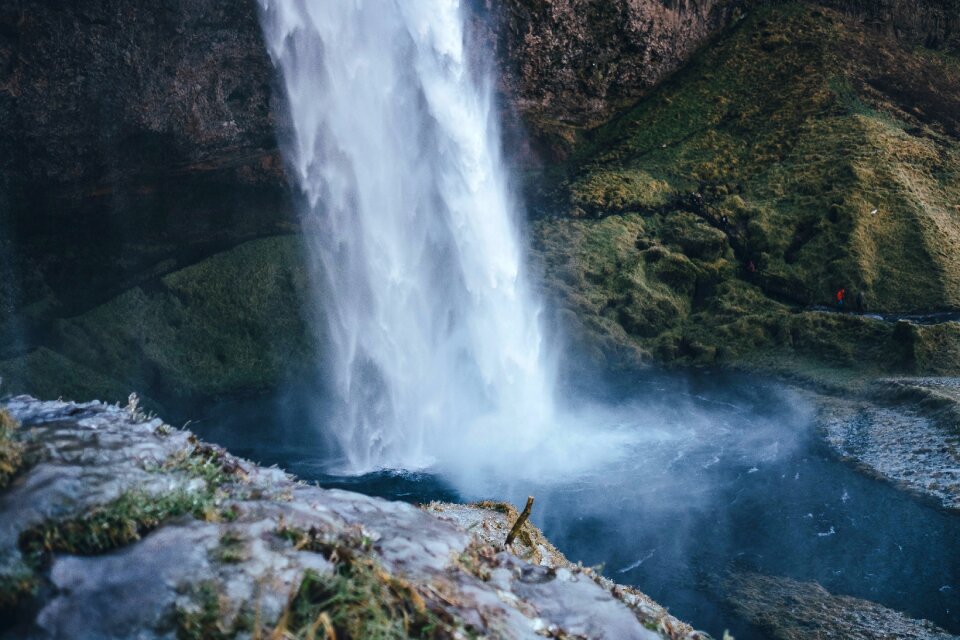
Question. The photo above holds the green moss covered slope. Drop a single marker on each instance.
(802, 142)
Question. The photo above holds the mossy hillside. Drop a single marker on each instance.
(779, 126)
(230, 323)
(625, 282)
(784, 144)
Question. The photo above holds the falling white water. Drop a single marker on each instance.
(437, 354)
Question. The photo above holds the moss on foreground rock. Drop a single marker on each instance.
(819, 150)
(11, 451)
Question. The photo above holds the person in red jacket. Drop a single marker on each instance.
(841, 296)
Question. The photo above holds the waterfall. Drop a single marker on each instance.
(435, 355)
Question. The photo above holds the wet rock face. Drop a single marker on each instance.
(120, 526)
(931, 23)
(138, 138)
(135, 137)
(95, 86)
(571, 64)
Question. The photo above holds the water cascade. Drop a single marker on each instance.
(436, 354)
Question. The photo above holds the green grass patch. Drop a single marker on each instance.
(359, 599)
(203, 618)
(17, 583)
(11, 450)
(115, 524)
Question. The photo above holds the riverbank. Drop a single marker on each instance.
(792, 610)
(904, 431)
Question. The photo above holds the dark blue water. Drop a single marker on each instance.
(726, 476)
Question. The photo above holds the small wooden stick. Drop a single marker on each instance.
(520, 521)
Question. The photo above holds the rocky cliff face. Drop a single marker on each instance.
(136, 137)
(800, 153)
(932, 23)
(139, 139)
(570, 64)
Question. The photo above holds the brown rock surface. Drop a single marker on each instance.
(136, 137)
(931, 23)
(570, 64)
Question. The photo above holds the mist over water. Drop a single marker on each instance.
(718, 476)
(436, 356)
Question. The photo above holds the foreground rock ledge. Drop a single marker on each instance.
(117, 525)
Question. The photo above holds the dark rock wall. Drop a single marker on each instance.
(570, 64)
(136, 137)
(139, 137)
(931, 23)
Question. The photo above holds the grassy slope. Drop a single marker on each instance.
(796, 125)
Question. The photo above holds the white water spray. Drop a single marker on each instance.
(437, 354)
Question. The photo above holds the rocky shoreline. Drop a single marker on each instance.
(914, 445)
(118, 525)
(792, 610)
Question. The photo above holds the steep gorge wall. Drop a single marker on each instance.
(139, 138)
(567, 65)
(931, 23)
(136, 138)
